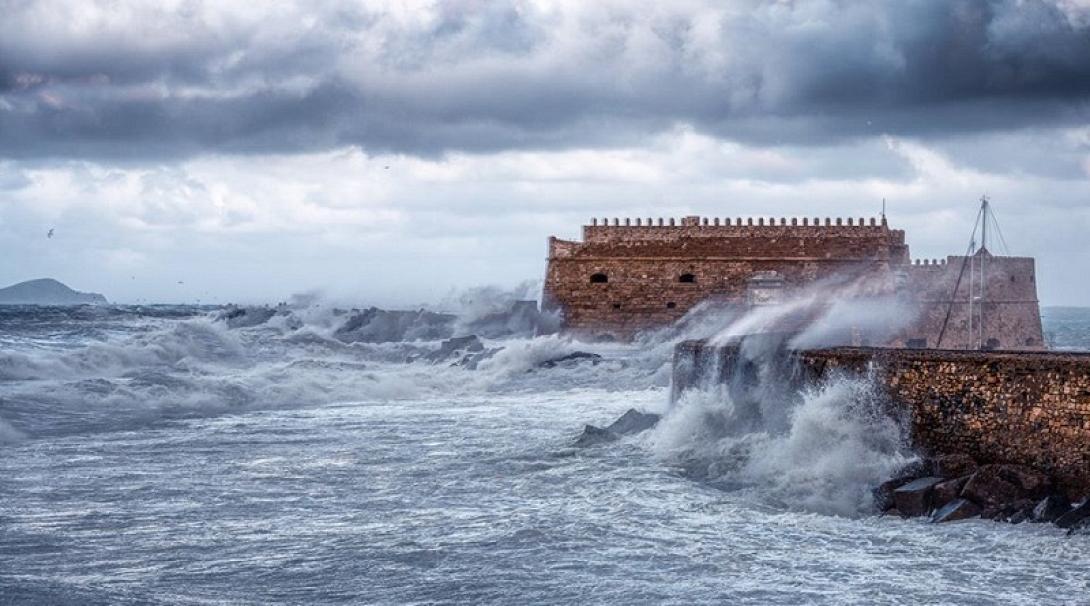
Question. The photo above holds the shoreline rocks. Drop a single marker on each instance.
(953, 487)
(630, 423)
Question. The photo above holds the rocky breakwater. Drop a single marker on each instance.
(1000, 435)
(954, 487)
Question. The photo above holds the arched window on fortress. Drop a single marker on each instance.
(687, 278)
(599, 278)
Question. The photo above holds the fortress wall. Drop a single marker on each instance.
(646, 292)
(643, 265)
(1011, 314)
(1030, 408)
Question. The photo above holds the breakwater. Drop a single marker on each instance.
(1025, 408)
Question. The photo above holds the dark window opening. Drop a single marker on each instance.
(671, 305)
(687, 278)
(916, 343)
(1013, 279)
(1031, 341)
(599, 279)
(616, 306)
(991, 344)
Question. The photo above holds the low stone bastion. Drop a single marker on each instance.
(1021, 408)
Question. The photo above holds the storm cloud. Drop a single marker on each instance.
(122, 80)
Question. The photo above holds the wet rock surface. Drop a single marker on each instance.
(958, 509)
(947, 491)
(1050, 508)
(1077, 516)
(630, 423)
(914, 498)
(570, 360)
(954, 487)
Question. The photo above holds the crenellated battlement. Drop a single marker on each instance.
(695, 221)
(630, 230)
(628, 227)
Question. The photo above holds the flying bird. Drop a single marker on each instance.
(49, 234)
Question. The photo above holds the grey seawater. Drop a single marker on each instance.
(324, 473)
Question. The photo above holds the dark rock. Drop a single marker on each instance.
(1015, 512)
(947, 491)
(958, 509)
(634, 421)
(914, 498)
(1032, 482)
(953, 466)
(883, 495)
(592, 436)
(571, 360)
(919, 468)
(1075, 516)
(246, 317)
(1050, 508)
(1023, 513)
(631, 422)
(993, 486)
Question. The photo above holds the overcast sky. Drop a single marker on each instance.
(389, 152)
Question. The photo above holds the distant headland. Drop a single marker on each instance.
(47, 291)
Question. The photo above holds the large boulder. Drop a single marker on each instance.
(1075, 516)
(947, 491)
(993, 486)
(631, 422)
(1015, 512)
(883, 495)
(958, 509)
(593, 435)
(1051, 508)
(571, 360)
(634, 421)
(914, 498)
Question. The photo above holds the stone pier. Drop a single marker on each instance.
(1028, 408)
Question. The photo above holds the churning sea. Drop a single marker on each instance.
(153, 455)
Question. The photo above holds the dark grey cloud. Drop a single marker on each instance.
(128, 81)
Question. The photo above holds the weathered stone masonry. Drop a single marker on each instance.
(632, 274)
(1029, 408)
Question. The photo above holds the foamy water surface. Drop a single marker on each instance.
(156, 456)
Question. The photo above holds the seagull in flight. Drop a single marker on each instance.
(49, 234)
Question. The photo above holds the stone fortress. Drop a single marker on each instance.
(629, 275)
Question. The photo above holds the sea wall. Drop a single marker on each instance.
(1028, 408)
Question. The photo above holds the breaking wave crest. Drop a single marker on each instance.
(823, 450)
(65, 371)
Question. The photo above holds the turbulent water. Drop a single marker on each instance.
(160, 455)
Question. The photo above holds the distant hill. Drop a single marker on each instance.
(46, 292)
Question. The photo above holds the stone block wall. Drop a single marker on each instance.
(651, 275)
(1010, 317)
(1029, 408)
(633, 274)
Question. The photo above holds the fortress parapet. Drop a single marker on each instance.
(634, 273)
